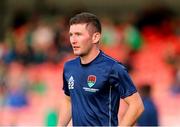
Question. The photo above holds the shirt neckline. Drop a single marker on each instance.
(94, 60)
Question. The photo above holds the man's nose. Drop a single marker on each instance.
(73, 39)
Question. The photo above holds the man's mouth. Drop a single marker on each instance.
(76, 47)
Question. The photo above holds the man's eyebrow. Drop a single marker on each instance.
(70, 33)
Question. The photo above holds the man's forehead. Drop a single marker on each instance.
(79, 25)
(78, 28)
(82, 27)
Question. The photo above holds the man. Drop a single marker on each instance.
(150, 115)
(94, 82)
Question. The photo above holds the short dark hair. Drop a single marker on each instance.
(87, 18)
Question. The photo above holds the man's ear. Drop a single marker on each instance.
(96, 37)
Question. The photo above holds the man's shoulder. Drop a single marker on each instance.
(72, 62)
(114, 62)
(108, 58)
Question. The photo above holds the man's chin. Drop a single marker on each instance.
(77, 54)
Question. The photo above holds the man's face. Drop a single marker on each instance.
(81, 39)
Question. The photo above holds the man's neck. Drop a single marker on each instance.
(90, 57)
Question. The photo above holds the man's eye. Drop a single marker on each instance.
(70, 35)
(78, 34)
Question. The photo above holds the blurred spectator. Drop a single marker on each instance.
(150, 115)
(38, 86)
(132, 37)
(129, 60)
(42, 39)
(110, 35)
(175, 87)
(62, 34)
(154, 15)
(3, 88)
(51, 118)
(17, 96)
(2, 93)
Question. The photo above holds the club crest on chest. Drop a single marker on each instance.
(91, 80)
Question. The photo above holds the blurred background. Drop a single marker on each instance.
(34, 44)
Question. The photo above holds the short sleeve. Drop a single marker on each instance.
(65, 85)
(121, 81)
